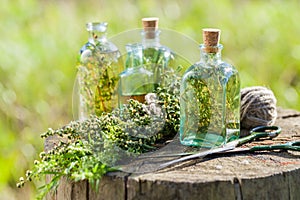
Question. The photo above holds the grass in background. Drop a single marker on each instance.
(40, 40)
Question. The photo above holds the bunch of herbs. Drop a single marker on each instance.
(87, 150)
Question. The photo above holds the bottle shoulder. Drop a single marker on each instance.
(100, 47)
(224, 64)
(136, 70)
(107, 46)
(200, 66)
(154, 49)
(227, 69)
(207, 70)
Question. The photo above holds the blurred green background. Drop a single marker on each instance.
(40, 39)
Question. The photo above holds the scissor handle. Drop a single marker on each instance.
(266, 131)
(261, 132)
(295, 146)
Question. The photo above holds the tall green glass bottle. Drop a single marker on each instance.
(156, 57)
(210, 98)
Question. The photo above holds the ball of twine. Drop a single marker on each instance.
(258, 107)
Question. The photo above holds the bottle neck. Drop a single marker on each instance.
(134, 56)
(210, 54)
(150, 38)
(97, 37)
(97, 32)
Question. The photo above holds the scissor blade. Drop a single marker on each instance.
(169, 155)
(237, 150)
(227, 147)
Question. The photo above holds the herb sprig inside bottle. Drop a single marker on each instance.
(156, 57)
(100, 64)
(210, 97)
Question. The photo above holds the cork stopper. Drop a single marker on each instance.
(150, 25)
(211, 38)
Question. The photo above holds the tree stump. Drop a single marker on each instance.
(260, 175)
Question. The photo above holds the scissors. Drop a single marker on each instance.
(261, 132)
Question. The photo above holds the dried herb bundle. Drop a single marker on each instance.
(89, 149)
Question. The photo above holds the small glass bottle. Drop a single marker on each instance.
(135, 81)
(100, 65)
(210, 98)
(156, 57)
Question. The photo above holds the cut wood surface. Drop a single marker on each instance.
(259, 175)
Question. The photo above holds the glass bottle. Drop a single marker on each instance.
(210, 98)
(100, 64)
(135, 81)
(156, 57)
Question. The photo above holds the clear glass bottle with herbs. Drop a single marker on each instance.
(210, 98)
(156, 57)
(100, 65)
(135, 81)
